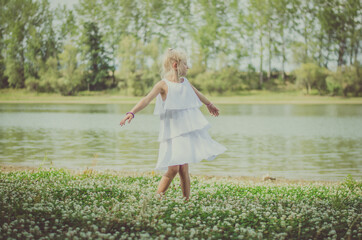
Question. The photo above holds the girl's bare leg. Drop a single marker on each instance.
(185, 180)
(167, 179)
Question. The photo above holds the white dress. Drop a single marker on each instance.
(183, 133)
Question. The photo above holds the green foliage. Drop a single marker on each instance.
(120, 42)
(227, 79)
(28, 32)
(206, 33)
(95, 56)
(137, 84)
(65, 79)
(67, 21)
(128, 52)
(340, 21)
(344, 81)
(48, 76)
(3, 78)
(251, 78)
(204, 80)
(139, 68)
(71, 74)
(299, 53)
(14, 70)
(311, 75)
(334, 85)
(198, 66)
(231, 76)
(351, 183)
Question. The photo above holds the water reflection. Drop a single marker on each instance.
(292, 141)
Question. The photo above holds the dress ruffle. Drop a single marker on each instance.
(173, 123)
(191, 147)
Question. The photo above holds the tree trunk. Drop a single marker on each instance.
(270, 53)
(352, 44)
(114, 67)
(250, 56)
(356, 63)
(283, 56)
(308, 87)
(261, 62)
(344, 92)
(305, 42)
(328, 52)
(22, 60)
(320, 53)
(342, 48)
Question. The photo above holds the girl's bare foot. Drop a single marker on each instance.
(160, 196)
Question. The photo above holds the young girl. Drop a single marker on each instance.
(183, 133)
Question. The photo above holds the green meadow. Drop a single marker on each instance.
(63, 204)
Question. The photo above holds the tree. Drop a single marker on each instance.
(311, 75)
(240, 35)
(284, 11)
(16, 16)
(305, 25)
(345, 80)
(29, 37)
(207, 34)
(66, 79)
(260, 14)
(116, 17)
(3, 77)
(354, 11)
(340, 21)
(95, 57)
(48, 73)
(130, 62)
(71, 73)
(66, 30)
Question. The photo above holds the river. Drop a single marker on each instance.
(312, 142)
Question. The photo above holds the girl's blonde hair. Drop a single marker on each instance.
(169, 58)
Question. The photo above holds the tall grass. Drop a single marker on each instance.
(58, 204)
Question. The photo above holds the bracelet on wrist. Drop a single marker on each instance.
(130, 113)
(209, 104)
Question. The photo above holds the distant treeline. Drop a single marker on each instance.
(116, 44)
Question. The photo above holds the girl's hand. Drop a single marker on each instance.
(213, 110)
(128, 117)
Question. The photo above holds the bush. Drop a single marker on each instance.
(68, 86)
(71, 74)
(32, 84)
(232, 79)
(310, 75)
(67, 80)
(204, 81)
(344, 81)
(137, 84)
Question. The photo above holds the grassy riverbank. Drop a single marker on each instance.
(60, 204)
(103, 97)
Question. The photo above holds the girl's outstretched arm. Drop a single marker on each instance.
(158, 88)
(212, 109)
